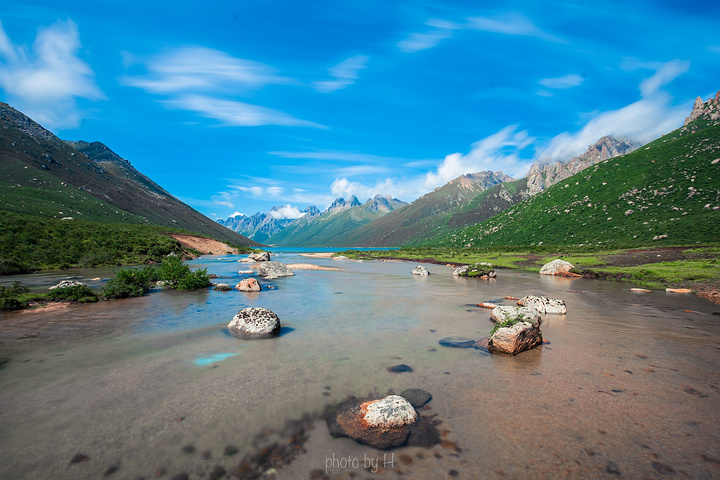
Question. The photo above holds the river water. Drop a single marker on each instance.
(626, 385)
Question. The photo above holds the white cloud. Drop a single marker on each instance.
(196, 78)
(46, 81)
(286, 212)
(442, 29)
(236, 114)
(566, 81)
(237, 214)
(643, 120)
(197, 68)
(508, 23)
(345, 73)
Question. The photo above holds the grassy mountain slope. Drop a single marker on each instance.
(425, 216)
(669, 187)
(110, 179)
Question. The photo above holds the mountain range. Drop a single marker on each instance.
(42, 175)
(664, 193)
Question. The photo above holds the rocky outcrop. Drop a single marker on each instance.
(222, 287)
(382, 423)
(515, 338)
(476, 270)
(248, 285)
(558, 267)
(543, 174)
(420, 270)
(67, 284)
(274, 270)
(260, 256)
(254, 322)
(544, 304)
(504, 313)
(709, 110)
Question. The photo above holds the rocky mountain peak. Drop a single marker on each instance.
(97, 151)
(341, 204)
(383, 203)
(485, 179)
(709, 110)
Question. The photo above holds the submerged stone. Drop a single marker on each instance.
(416, 396)
(457, 342)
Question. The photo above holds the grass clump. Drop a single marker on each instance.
(510, 322)
(10, 296)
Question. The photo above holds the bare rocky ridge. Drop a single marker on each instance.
(709, 110)
(543, 174)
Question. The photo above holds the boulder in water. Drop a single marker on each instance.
(255, 322)
(544, 304)
(274, 270)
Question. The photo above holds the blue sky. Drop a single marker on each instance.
(240, 106)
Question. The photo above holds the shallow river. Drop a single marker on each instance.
(626, 386)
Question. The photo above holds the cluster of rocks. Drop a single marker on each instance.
(67, 284)
(421, 271)
(256, 257)
(476, 270)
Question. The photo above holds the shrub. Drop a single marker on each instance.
(77, 293)
(194, 280)
(11, 266)
(130, 283)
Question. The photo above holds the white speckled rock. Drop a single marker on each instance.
(556, 267)
(389, 412)
(460, 270)
(420, 270)
(506, 312)
(544, 304)
(255, 322)
(274, 270)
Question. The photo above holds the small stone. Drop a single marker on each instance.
(416, 396)
(457, 342)
(217, 473)
(678, 290)
(231, 450)
(188, 449)
(663, 469)
(111, 469)
(400, 368)
(181, 476)
(79, 458)
(222, 287)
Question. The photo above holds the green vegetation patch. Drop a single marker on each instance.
(512, 321)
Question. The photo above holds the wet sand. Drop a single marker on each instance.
(626, 385)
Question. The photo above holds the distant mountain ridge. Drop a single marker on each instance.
(260, 226)
(88, 181)
(330, 227)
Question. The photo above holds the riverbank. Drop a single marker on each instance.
(696, 268)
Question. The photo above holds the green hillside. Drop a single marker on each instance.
(31, 191)
(668, 188)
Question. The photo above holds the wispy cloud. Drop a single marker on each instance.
(46, 81)
(510, 23)
(507, 23)
(566, 81)
(643, 120)
(205, 81)
(344, 74)
(440, 30)
(196, 68)
(236, 114)
(338, 155)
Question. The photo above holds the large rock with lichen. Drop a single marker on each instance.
(515, 335)
(382, 423)
(544, 304)
(254, 322)
(274, 270)
(476, 270)
(504, 313)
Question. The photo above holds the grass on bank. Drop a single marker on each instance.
(29, 243)
(698, 267)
